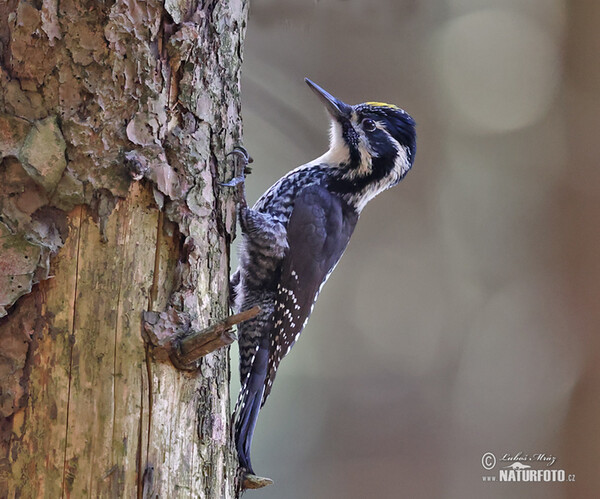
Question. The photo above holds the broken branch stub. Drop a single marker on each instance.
(252, 482)
(185, 347)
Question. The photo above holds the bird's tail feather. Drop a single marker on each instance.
(248, 406)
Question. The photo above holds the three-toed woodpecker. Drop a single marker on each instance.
(297, 231)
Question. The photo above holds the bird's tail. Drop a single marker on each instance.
(248, 406)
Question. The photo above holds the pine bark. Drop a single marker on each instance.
(115, 119)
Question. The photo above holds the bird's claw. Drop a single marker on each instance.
(241, 151)
(233, 182)
(246, 159)
(242, 160)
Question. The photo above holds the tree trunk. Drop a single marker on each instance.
(115, 117)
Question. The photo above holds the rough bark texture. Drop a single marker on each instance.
(115, 117)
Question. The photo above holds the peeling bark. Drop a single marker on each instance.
(115, 118)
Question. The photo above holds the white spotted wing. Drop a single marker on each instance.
(318, 232)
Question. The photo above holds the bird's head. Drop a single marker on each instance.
(372, 146)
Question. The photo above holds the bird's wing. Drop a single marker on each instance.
(318, 231)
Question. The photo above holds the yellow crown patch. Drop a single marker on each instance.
(381, 104)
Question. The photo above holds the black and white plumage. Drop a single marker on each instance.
(296, 233)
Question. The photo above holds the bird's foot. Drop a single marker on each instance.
(243, 158)
(240, 169)
(233, 182)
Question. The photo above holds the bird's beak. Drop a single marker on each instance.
(337, 109)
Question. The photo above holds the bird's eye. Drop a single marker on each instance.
(368, 125)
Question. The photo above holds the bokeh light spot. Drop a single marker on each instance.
(500, 70)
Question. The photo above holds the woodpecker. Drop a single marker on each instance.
(295, 234)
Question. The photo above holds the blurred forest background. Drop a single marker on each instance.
(464, 316)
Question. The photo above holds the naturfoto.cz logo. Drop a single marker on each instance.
(520, 468)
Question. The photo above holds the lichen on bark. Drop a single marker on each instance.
(96, 99)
